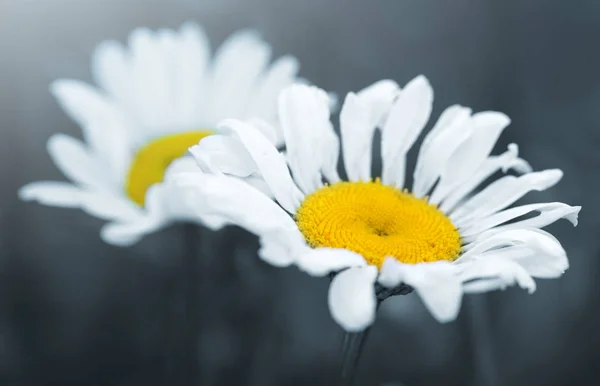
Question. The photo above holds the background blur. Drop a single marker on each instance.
(74, 311)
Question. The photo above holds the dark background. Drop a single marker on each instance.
(74, 311)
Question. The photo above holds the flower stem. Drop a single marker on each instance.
(186, 354)
(482, 346)
(352, 348)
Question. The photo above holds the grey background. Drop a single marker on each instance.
(76, 311)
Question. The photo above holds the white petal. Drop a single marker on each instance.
(471, 154)
(482, 285)
(269, 131)
(130, 230)
(109, 206)
(282, 247)
(537, 251)
(85, 105)
(113, 150)
(380, 97)
(111, 68)
(361, 114)
(259, 184)
(352, 300)
(436, 283)
(236, 200)
(406, 119)
(75, 162)
(98, 204)
(51, 193)
(487, 242)
(456, 192)
(449, 132)
(311, 143)
(357, 131)
(269, 162)
(175, 204)
(549, 213)
(149, 82)
(224, 154)
(321, 261)
(263, 103)
(106, 128)
(239, 204)
(237, 65)
(185, 164)
(191, 74)
(502, 193)
(127, 234)
(492, 273)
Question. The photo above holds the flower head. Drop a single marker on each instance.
(155, 98)
(450, 234)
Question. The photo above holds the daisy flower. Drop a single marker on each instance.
(155, 98)
(451, 233)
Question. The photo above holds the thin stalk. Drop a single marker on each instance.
(482, 343)
(352, 348)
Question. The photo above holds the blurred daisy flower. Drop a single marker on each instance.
(156, 97)
(446, 236)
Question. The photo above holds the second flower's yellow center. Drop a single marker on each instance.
(151, 161)
(377, 221)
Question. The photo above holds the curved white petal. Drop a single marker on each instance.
(379, 96)
(436, 283)
(407, 118)
(98, 204)
(175, 204)
(191, 75)
(111, 69)
(237, 65)
(549, 213)
(502, 193)
(52, 193)
(150, 55)
(493, 272)
(282, 247)
(321, 261)
(357, 130)
(236, 200)
(352, 300)
(537, 251)
(361, 114)
(106, 128)
(240, 204)
(268, 130)
(76, 163)
(109, 206)
(311, 143)
(453, 194)
(224, 154)
(490, 241)
(470, 155)
(263, 102)
(129, 233)
(269, 162)
(449, 132)
(185, 164)
(87, 106)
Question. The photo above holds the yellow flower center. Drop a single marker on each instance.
(377, 221)
(151, 161)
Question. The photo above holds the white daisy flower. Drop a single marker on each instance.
(442, 238)
(155, 98)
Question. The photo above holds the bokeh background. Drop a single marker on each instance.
(74, 311)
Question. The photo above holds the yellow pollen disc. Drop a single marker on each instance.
(377, 221)
(151, 161)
